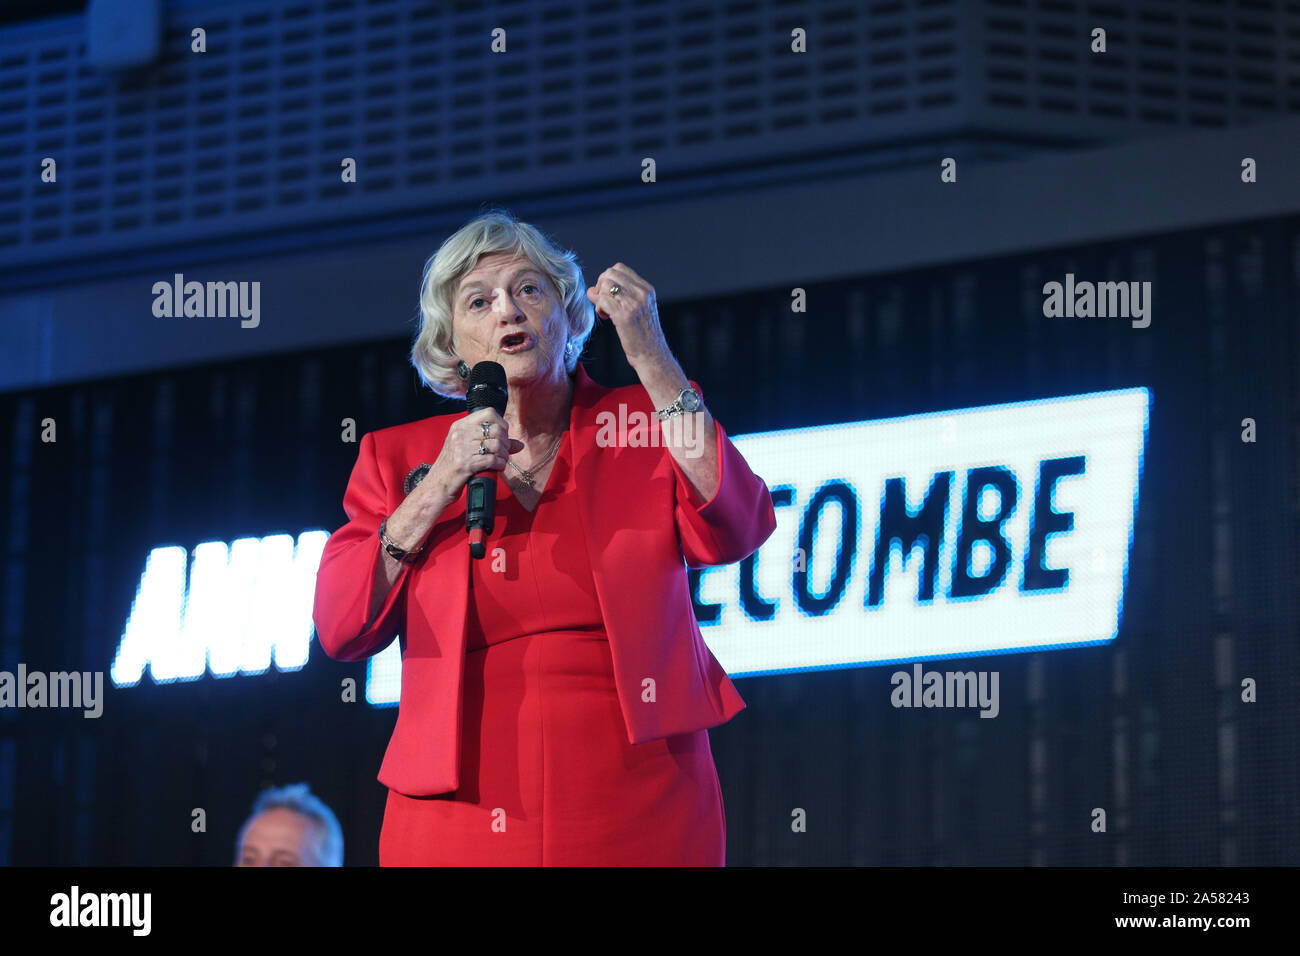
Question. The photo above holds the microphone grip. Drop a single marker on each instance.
(480, 510)
(477, 543)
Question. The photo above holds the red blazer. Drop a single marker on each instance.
(643, 525)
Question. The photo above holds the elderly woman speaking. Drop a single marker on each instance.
(556, 694)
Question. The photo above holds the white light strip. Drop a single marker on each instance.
(1064, 470)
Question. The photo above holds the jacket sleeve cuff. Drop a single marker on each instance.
(731, 524)
(686, 491)
(349, 567)
(382, 618)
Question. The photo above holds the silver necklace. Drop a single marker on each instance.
(529, 475)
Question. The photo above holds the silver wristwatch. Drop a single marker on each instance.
(688, 400)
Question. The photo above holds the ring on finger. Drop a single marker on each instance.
(482, 449)
(487, 429)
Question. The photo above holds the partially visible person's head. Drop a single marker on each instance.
(493, 275)
(289, 826)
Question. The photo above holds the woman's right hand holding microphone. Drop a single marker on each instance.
(458, 462)
(461, 458)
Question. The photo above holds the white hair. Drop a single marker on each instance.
(299, 798)
(433, 353)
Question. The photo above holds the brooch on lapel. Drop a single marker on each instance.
(415, 476)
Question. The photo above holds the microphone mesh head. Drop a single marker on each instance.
(487, 387)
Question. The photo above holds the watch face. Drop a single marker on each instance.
(690, 399)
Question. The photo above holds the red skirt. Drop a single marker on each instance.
(548, 777)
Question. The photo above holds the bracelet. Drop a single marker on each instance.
(394, 552)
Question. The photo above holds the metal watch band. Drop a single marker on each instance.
(676, 408)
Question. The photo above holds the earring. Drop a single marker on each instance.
(462, 370)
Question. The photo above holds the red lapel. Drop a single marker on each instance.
(444, 609)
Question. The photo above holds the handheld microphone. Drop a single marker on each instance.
(487, 389)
